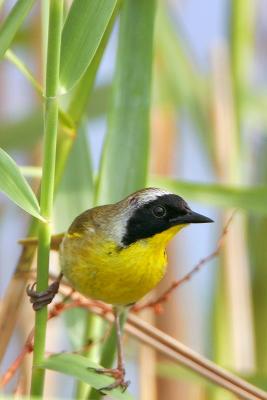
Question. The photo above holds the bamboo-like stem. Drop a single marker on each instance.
(47, 184)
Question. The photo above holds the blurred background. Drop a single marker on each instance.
(208, 128)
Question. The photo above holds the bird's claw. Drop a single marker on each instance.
(117, 373)
(41, 299)
(118, 383)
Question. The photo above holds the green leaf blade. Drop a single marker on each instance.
(252, 199)
(127, 142)
(85, 26)
(14, 185)
(81, 368)
(125, 157)
(13, 22)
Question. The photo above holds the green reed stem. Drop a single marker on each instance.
(47, 184)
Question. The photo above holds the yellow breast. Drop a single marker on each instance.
(100, 270)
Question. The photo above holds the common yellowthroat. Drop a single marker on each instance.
(117, 253)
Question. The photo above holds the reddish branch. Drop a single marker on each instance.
(55, 311)
(178, 352)
(157, 303)
(27, 348)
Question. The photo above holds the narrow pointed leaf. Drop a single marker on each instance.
(249, 198)
(83, 90)
(125, 157)
(14, 185)
(79, 367)
(13, 22)
(84, 28)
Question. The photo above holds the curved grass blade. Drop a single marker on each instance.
(79, 367)
(83, 90)
(84, 28)
(13, 22)
(14, 185)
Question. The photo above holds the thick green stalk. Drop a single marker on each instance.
(47, 185)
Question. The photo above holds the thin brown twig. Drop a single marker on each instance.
(163, 343)
(180, 353)
(157, 303)
(157, 340)
(56, 310)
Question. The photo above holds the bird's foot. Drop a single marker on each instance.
(41, 299)
(118, 374)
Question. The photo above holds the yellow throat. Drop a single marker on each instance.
(115, 275)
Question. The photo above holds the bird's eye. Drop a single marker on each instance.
(159, 211)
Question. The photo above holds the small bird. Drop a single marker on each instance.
(116, 253)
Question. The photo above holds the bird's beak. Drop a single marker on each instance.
(191, 218)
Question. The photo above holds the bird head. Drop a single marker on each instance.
(151, 211)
